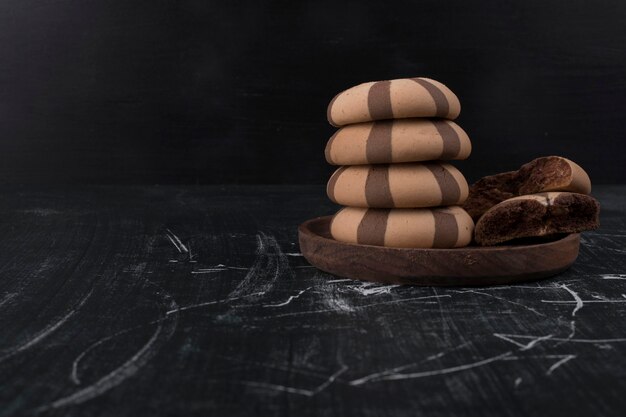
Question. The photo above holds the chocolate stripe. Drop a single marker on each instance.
(441, 102)
(329, 117)
(446, 229)
(378, 145)
(332, 182)
(450, 190)
(451, 140)
(371, 230)
(328, 148)
(377, 189)
(379, 101)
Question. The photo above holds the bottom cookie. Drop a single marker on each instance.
(441, 227)
(537, 215)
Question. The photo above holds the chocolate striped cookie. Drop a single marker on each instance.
(537, 215)
(401, 140)
(394, 99)
(548, 173)
(405, 185)
(446, 227)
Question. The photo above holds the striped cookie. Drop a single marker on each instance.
(537, 215)
(394, 99)
(407, 185)
(401, 140)
(446, 227)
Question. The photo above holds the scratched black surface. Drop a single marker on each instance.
(194, 301)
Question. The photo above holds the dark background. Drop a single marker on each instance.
(235, 92)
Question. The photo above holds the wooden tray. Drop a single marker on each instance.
(471, 265)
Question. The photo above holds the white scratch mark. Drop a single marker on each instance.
(290, 299)
(217, 268)
(299, 391)
(282, 388)
(330, 379)
(270, 263)
(435, 356)
(561, 339)
(423, 374)
(613, 276)
(165, 326)
(208, 303)
(8, 297)
(370, 288)
(190, 255)
(74, 373)
(503, 299)
(584, 301)
(176, 241)
(579, 301)
(616, 340)
(404, 300)
(508, 339)
(377, 375)
(301, 313)
(114, 378)
(537, 340)
(175, 244)
(332, 299)
(293, 254)
(338, 280)
(572, 326)
(45, 332)
(514, 287)
(395, 370)
(522, 346)
(559, 363)
(515, 358)
(445, 326)
(341, 305)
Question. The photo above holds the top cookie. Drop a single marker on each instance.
(393, 99)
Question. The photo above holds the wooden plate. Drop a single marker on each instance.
(471, 265)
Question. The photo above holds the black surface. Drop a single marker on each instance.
(104, 312)
(165, 91)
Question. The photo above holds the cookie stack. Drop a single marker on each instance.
(391, 140)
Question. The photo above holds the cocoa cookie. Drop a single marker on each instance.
(393, 99)
(446, 227)
(537, 215)
(405, 185)
(549, 173)
(401, 140)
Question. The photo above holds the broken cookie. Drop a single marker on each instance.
(550, 173)
(537, 215)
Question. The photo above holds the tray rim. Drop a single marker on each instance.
(304, 229)
(571, 241)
